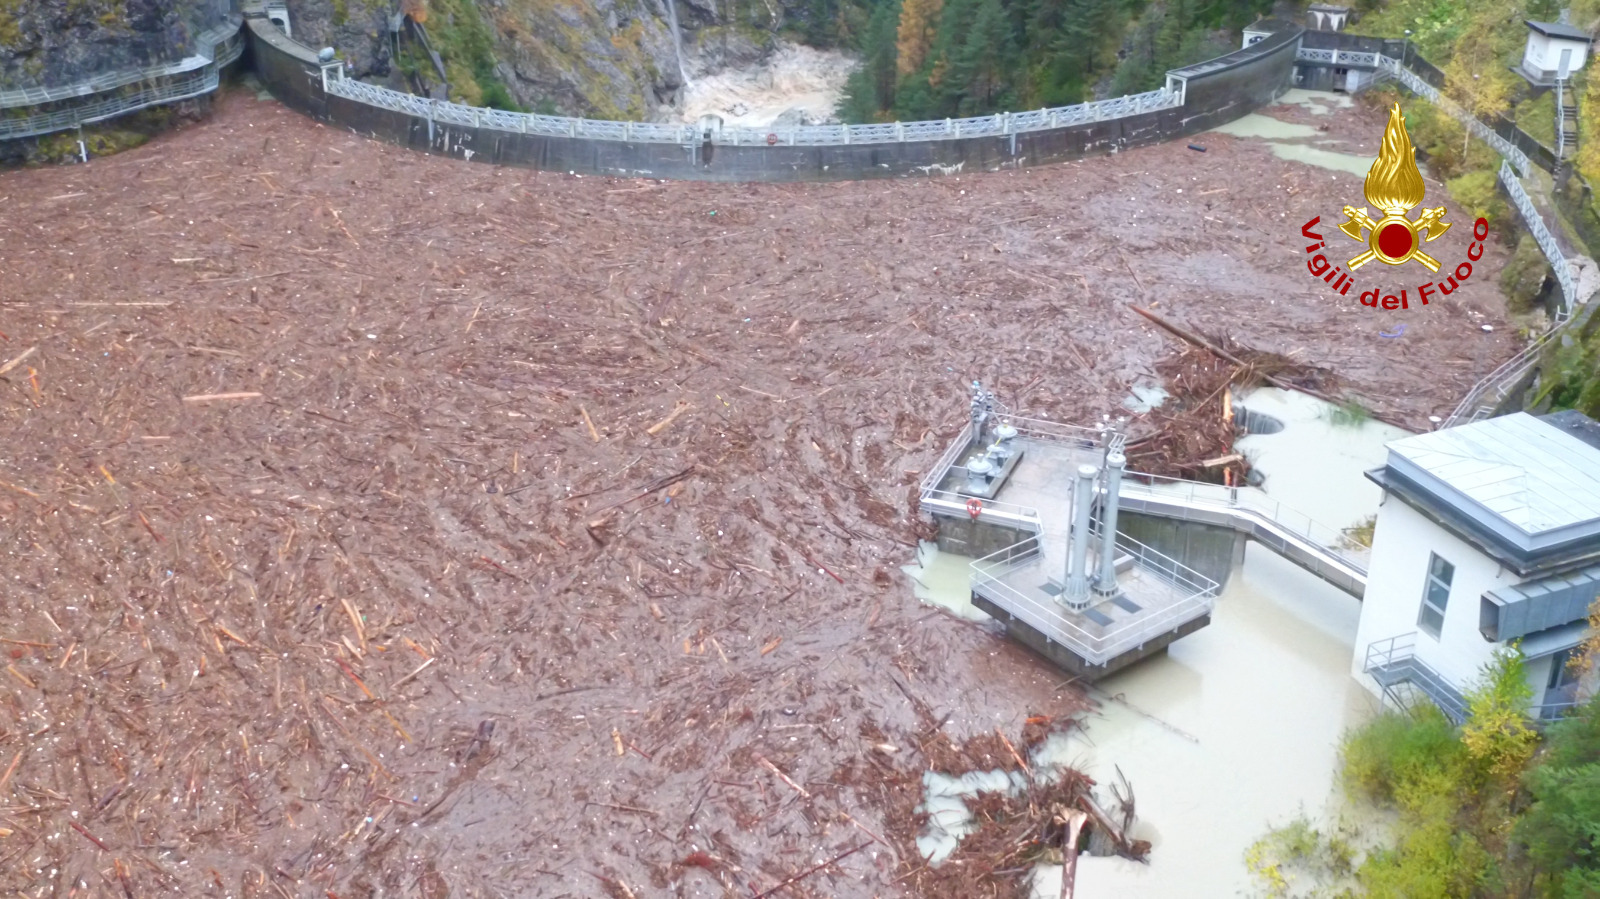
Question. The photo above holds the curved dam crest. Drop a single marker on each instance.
(1196, 99)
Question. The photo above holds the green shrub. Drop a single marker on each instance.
(1571, 373)
(1384, 759)
(1524, 275)
(1299, 855)
(1350, 413)
(1497, 734)
(10, 29)
(1537, 116)
(496, 96)
(1477, 193)
(1359, 535)
(1434, 859)
(1588, 401)
(466, 43)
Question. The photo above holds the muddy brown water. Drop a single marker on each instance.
(217, 611)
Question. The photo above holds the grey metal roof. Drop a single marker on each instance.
(1521, 476)
(1559, 30)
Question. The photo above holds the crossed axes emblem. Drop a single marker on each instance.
(1429, 221)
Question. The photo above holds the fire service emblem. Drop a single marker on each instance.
(1394, 185)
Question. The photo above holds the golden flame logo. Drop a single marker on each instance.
(1394, 185)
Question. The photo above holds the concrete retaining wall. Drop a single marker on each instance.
(287, 68)
(963, 536)
(1215, 92)
(1212, 550)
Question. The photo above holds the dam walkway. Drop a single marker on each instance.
(1329, 553)
(1332, 554)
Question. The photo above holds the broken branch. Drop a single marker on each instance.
(661, 425)
(215, 397)
(18, 361)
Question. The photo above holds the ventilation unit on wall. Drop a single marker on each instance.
(278, 14)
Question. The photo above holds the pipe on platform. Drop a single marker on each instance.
(1078, 542)
(1107, 582)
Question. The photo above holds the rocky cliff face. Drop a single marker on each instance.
(613, 59)
(46, 43)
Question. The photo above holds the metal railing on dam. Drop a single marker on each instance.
(1327, 552)
(1000, 124)
(1322, 550)
(1192, 99)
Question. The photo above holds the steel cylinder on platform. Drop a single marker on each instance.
(1077, 593)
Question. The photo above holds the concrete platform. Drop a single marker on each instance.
(1151, 608)
(1019, 536)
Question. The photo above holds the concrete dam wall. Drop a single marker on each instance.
(1195, 99)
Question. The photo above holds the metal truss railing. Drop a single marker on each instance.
(205, 43)
(118, 95)
(998, 125)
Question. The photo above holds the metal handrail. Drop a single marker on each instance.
(991, 510)
(1474, 407)
(1386, 648)
(1490, 391)
(1551, 711)
(1247, 499)
(1421, 88)
(1337, 57)
(171, 89)
(1546, 240)
(1398, 653)
(1050, 618)
(1154, 561)
(935, 475)
(999, 124)
(1054, 432)
(206, 43)
(1561, 120)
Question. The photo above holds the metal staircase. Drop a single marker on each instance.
(1566, 121)
(1394, 665)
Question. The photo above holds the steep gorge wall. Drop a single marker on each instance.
(47, 43)
(612, 59)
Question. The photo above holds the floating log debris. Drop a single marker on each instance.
(1048, 820)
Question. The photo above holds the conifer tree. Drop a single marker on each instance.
(919, 22)
(986, 58)
(870, 90)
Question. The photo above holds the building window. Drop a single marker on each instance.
(1436, 595)
(1561, 691)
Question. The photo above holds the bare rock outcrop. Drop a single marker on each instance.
(48, 43)
(612, 59)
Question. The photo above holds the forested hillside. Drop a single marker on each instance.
(1475, 42)
(934, 58)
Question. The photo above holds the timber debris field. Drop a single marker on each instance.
(375, 523)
